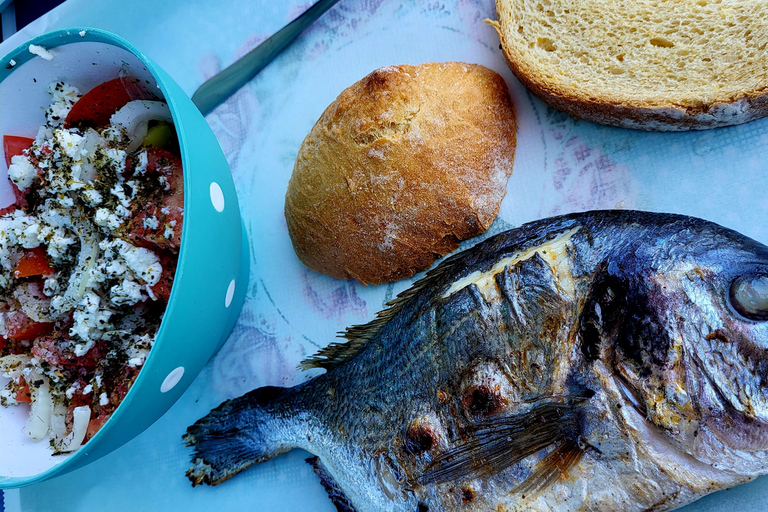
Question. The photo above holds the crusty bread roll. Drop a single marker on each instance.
(399, 168)
(644, 64)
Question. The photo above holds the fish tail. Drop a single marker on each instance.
(238, 434)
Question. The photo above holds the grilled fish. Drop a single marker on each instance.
(608, 360)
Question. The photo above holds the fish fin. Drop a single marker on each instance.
(497, 443)
(357, 336)
(551, 468)
(333, 355)
(337, 496)
(237, 434)
(481, 254)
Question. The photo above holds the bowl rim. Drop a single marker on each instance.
(21, 55)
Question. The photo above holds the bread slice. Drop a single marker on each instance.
(666, 65)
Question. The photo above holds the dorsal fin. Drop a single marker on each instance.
(436, 281)
(357, 336)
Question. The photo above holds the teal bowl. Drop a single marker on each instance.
(212, 274)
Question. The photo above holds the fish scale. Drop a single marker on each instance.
(565, 364)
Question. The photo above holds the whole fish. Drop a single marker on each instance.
(608, 360)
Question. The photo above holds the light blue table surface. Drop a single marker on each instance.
(562, 165)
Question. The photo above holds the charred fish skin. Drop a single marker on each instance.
(609, 360)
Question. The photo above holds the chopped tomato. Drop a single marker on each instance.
(136, 89)
(169, 213)
(128, 166)
(23, 393)
(156, 238)
(96, 106)
(33, 262)
(21, 200)
(168, 164)
(49, 349)
(120, 389)
(19, 326)
(13, 145)
(95, 425)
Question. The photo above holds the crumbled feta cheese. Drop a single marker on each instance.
(141, 163)
(103, 399)
(82, 33)
(44, 134)
(143, 262)
(92, 196)
(126, 293)
(22, 172)
(87, 389)
(72, 389)
(64, 97)
(69, 141)
(19, 229)
(117, 156)
(150, 223)
(51, 286)
(168, 232)
(89, 319)
(11, 63)
(40, 52)
(120, 256)
(105, 218)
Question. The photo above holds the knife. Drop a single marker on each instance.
(217, 89)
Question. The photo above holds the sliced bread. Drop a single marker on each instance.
(665, 65)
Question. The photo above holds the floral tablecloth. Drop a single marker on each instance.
(562, 165)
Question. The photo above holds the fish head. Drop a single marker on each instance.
(692, 344)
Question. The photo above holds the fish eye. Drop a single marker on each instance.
(749, 296)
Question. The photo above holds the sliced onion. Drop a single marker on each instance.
(135, 116)
(86, 260)
(80, 417)
(59, 422)
(39, 420)
(33, 302)
(91, 144)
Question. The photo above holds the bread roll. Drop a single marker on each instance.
(399, 168)
(644, 64)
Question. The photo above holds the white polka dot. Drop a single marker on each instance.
(217, 197)
(230, 294)
(172, 379)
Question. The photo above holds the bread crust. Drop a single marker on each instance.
(622, 111)
(402, 166)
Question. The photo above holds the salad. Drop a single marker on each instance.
(87, 255)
